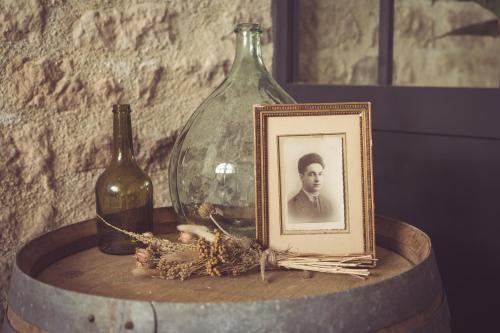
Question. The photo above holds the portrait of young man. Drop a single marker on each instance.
(308, 205)
(312, 183)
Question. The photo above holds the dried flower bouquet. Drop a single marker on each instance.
(201, 252)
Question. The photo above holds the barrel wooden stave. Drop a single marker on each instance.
(363, 309)
(376, 306)
(53, 309)
(7, 327)
(438, 322)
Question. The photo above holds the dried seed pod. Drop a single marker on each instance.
(205, 210)
(143, 256)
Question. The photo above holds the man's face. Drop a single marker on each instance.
(312, 178)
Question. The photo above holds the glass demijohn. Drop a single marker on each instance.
(212, 159)
(124, 193)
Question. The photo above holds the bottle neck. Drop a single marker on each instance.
(248, 58)
(123, 150)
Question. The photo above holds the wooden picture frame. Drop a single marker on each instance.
(314, 178)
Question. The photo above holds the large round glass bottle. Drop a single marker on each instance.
(212, 159)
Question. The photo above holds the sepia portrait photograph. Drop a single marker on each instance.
(313, 178)
(312, 183)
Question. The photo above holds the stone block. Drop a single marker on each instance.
(19, 19)
(145, 26)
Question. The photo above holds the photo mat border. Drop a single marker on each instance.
(261, 115)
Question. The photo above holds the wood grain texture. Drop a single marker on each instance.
(93, 272)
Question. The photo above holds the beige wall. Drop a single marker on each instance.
(64, 63)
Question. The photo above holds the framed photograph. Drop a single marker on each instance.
(314, 179)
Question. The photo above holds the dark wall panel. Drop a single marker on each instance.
(444, 111)
(449, 187)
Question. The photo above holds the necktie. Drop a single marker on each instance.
(317, 204)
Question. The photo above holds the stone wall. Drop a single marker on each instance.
(65, 62)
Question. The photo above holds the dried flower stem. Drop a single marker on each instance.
(358, 272)
(325, 264)
(207, 210)
(220, 227)
(363, 261)
(164, 244)
(305, 261)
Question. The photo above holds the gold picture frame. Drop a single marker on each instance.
(314, 178)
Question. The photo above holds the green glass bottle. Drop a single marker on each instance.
(212, 159)
(124, 193)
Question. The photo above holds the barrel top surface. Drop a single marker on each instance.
(87, 270)
(93, 272)
(64, 273)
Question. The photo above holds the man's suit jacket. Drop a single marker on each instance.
(301, 208)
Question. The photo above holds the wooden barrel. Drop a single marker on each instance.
(62, 283)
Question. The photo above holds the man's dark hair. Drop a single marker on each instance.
(307, 159)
